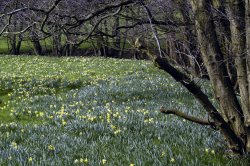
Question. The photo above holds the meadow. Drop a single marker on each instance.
(27, 46)
(96, 111)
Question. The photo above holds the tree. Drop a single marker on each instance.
(232, 118)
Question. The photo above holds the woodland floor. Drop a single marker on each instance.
(96, 111)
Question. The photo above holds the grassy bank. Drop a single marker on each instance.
(95, 111)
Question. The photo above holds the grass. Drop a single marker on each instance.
(27, 46)
(96, 111)
(3, 46)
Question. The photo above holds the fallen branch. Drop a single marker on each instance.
(187, 117)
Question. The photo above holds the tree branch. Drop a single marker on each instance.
(154, 30)
(13, 12)
(187, 117)
(219, 122)
(21, 31)
(6, 26)
(100, 11)
(97, 24)
(47, 16)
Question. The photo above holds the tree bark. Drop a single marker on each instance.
(236, 11)
(222, 25)
(247, 15)
(213, 59)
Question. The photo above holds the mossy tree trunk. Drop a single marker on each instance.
(234, 113)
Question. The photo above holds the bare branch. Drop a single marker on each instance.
(6, 26)
(97, 24)
(13, 12)
(154, 30)
(187, 117)
(48, 14)
(22, 31)
(100, 11)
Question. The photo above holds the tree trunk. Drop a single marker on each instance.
(222, 25)
(56, 42)
(12, 40)
(117, 40)
(236, 11)
(37, 46)
(68, 46)
(214, 62)
(15, 43)
(38, 50)
(247, 15)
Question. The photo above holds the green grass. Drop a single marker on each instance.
(83, 111)
(3, 46)
(27, 46)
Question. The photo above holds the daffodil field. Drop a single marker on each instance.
(97, 111)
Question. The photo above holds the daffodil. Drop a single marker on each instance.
(41, 114)
(172, 160)
(30, 159)
(113, 127)
(86, 161)
(14, 145)
(117, 131)
(76, 161)
(51, 147)
(104, 161)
